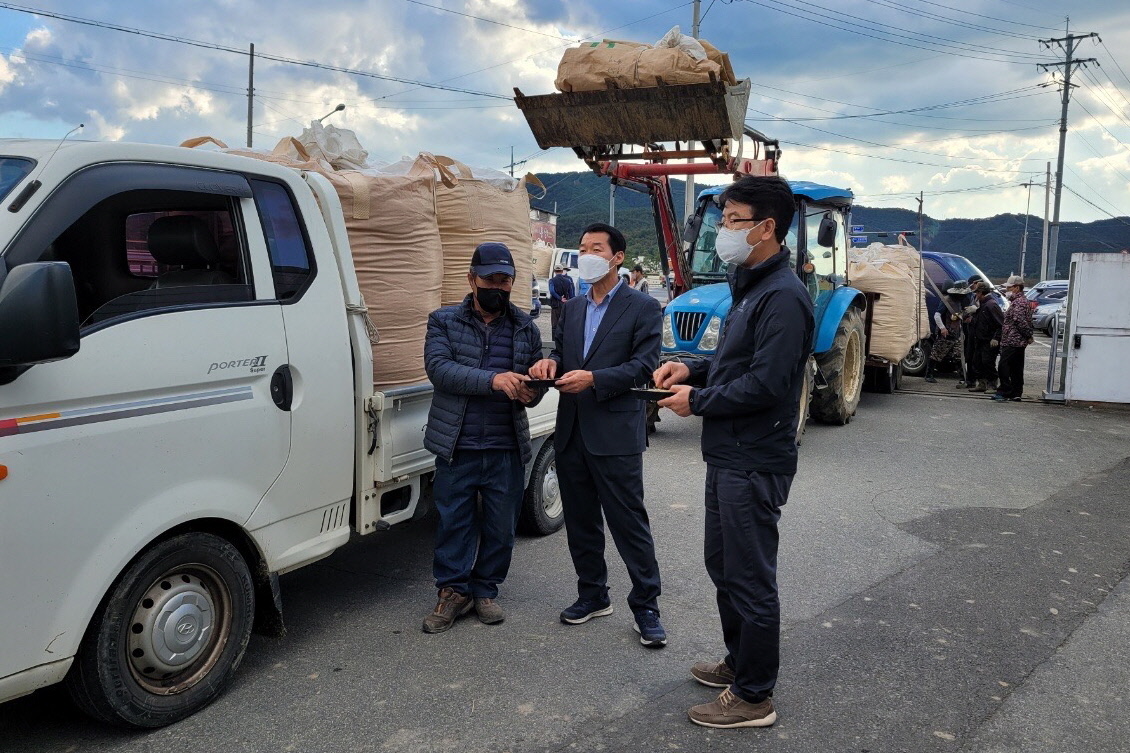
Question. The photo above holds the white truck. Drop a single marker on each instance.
(186, 411)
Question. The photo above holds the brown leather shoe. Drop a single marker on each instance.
(727, 711)
(451, 604)
(489, 612)
(713, 675)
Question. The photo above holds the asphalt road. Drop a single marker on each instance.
(952, 576)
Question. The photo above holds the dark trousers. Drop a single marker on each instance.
(554, 318)
(985, 361)
(742, 510)
(474, 542)
(596, 488)
(1011, 372)
(970, 361)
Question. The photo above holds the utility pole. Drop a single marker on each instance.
(612, 204)
(1024, 238)
(1045, 273)
(688, 193)
(514, 164)
(250, 93)
(921, 270)
(1068, 44)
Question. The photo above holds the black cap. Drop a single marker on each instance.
(491, 259)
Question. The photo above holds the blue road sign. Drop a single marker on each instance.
(859, 239)
(857, 228)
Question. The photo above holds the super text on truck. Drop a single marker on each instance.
(186, 412)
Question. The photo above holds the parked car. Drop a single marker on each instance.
(1047, 291)
(943, 270)
(1043, 318)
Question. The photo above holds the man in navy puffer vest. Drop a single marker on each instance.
(476, 354)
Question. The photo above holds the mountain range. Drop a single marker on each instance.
(992, 243)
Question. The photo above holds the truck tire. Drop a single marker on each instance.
(542, 512)
(805, 399)
(169, 635)
(915, 362)
(842, 368)
(883, 379)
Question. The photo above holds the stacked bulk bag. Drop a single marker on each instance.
(478, 206)
(893, 273)
(394, 237)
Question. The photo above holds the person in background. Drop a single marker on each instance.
(948, 336)
(476, 354)
(748, 395)
(608, 343)
(986, 326)
(639, 279)
(969, 374)
(560, 290)
(1016, 335)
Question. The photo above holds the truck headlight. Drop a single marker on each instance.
(668, 333)
(709, 339)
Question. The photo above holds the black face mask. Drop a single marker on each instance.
(492, 300)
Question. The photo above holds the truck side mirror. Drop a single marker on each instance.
(826, 235)
(38, 315)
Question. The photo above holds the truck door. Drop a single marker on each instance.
(164, 416)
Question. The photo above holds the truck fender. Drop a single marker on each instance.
(831, 313)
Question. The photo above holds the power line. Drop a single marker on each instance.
(904, 161)
(937, 17)
(1092, 189)
(489, 21)
(990, 18)
(238, 51)
(1108, 214)
(985, 99)
(899, 37)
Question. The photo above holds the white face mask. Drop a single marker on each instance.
(731, 245)
(592, 267)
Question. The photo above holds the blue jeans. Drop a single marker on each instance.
(474, 542)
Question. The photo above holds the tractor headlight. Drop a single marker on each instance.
(709, 339)
(668, 333)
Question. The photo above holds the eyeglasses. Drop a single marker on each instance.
(729, 223)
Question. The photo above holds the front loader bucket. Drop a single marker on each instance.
(711, 111)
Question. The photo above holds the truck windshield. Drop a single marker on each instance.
(12, 171)
(705, 263)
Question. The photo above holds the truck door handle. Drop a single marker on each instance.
(282, 387)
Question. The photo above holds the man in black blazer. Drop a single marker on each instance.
(607, 343)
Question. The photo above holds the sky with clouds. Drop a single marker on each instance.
(887, 97)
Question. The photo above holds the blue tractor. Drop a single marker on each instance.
(819, 241)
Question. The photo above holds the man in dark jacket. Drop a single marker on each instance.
(476, 354)
(608, 342)
(561, 289)
(748, 395)
(986, 327)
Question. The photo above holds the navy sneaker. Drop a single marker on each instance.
(584, 610)
(650, 629)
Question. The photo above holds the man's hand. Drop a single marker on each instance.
(993, 343)
(680, 402)
(510, 383)
(672, 372)
(526, 395)
(575, 381)
(546, 368)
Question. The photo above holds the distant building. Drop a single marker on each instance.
(543, 223)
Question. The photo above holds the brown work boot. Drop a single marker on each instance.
(490, 613)
(980, 386)
(727, 710)
(713, 675)
(451, 604)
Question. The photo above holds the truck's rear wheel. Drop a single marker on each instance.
(542, 511)
(842, 368)
(169, 636)
(915, 362)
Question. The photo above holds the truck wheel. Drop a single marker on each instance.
(805, 399)
(915, 362)
(883, 379)
(842, 367)
(542, 512)
(168, 637)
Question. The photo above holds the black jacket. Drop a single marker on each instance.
(453, 355)
(752, 383)
(624, 353)
(987, 321)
